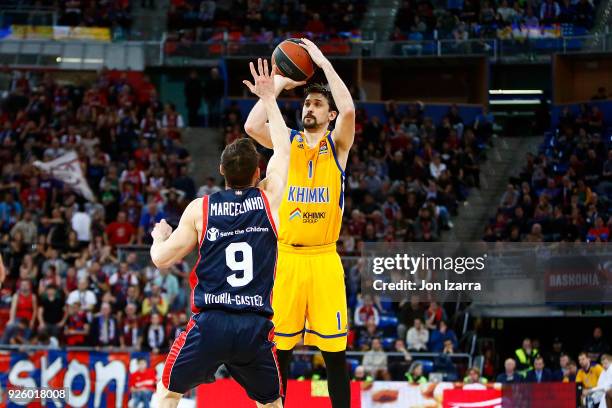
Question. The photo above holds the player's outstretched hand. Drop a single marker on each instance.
(162, 231)
(263, 78)
(315, 53)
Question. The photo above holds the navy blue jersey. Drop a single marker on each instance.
(237, 256)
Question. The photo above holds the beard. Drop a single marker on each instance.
(310, 122)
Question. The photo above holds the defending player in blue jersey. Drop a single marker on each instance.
(231, 283)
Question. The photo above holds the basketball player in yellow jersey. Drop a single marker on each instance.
(309, 292)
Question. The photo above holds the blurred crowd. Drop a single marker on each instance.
(563, 192)
(68, 284)
(504, 19)
(262, 21)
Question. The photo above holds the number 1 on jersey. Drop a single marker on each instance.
(310, 169)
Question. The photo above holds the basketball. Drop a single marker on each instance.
(293, 61)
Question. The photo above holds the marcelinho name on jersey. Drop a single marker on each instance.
(308, 195)
(234, 209)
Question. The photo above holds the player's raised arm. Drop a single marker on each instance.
(256, 124)
(344, 131)
(276, 173)
(170, 247)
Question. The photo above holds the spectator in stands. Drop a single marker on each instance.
(365, 311)
(104, 329)
(509, 375)
(131, 331)
(434, 315)
(398, 365)
(360, 375)
(474, 377)
(209, 188)
(214, 89)
(553, 358)
(369, 333)
(193, 97)
(443, 362)
(52, 313)
(170, 289)
(572, 372)
(415, 374)
(438, 337)
(23, 309)
(120, 232)
(142, 384)
(155, 335)
(525, 356)
(417, 336)
(408, 311)
(76, 330)
(539, 373)
(375, 361)
(19, 333)
(597, 345)
(83, 296)
(150, 216)
(563, 369)
(26, 227)
(172, 122)
(154, 303)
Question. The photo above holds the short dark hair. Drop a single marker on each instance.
(239, 161)
(323, 90)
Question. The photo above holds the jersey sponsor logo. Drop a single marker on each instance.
(323, 149)
(312, 217)
(300, 141)
(232, 209)
(308, 195)
(212, 234)
(295, 214)
(307, 217)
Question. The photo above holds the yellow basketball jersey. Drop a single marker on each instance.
(311, 211)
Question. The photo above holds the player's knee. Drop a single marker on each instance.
(276, 404)
(164, 394)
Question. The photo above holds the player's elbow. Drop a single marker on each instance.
(159, 261)
(349, 111)
(251, 130)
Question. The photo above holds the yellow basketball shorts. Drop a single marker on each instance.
(309, 298)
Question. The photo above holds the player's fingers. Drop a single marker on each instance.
(252, 68)
(266, 72)
(274, 70)
(249, 85)
(259, 66)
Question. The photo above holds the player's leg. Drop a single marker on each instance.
(284, 361)
(254, 364)
(338, 381)
(193, 358)
(276, 404)
(166, 398)
(327, 323)
(289, 305)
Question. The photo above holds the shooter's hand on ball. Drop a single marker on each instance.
(315, 53)
(264, 80)
(162, 231)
